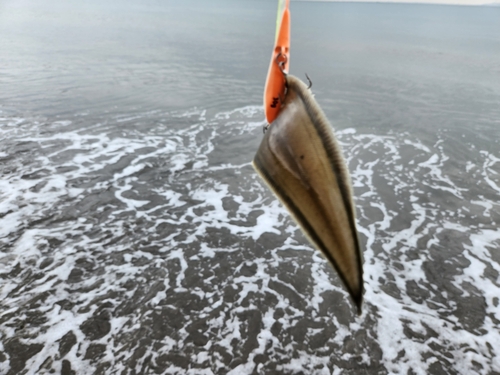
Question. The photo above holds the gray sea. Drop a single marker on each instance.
(135, 237)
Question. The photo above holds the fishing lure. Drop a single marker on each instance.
(275, 87)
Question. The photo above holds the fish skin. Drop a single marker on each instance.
(302, 162)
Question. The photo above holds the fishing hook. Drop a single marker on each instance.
(310, 82)
(281, 60)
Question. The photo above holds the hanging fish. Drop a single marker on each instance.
(302, 162)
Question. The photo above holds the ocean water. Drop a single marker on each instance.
(135, 237)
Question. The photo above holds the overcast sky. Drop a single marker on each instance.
(459, 2)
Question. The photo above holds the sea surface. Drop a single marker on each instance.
(135, 237)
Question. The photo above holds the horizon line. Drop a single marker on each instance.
(411, 2)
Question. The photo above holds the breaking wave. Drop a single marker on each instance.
(146, 243)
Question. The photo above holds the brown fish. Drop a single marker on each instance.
(302, 162)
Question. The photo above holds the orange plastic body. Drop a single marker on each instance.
(274, 91)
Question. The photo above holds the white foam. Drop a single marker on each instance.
(400, 224)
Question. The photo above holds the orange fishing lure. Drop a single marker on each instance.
(274, 91)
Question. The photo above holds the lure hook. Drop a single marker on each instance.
(281, 60)
(310, 82)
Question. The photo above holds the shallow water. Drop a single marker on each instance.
(136, 238)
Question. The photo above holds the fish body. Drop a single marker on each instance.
(302, 162)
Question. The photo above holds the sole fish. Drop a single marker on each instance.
(302, 162)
